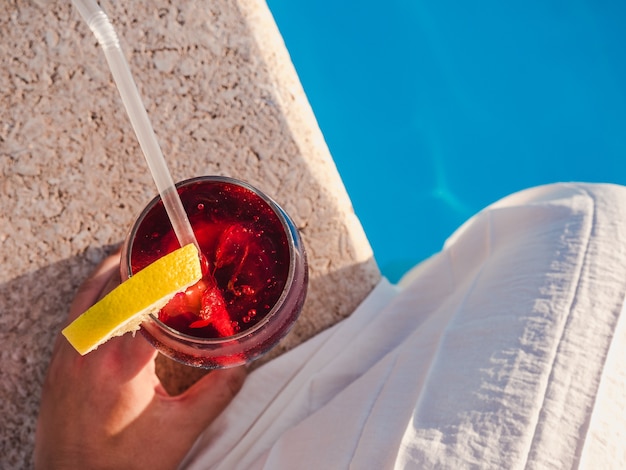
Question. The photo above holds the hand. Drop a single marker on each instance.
(108, 409)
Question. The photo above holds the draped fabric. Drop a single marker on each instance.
(507, 349)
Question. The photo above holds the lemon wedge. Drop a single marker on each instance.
(125, 307)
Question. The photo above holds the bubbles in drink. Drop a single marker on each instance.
(245, 259)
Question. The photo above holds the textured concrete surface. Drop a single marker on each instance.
(223, 98)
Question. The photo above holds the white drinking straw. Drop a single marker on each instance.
(105, 34)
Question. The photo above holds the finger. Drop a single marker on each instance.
(133, 353)
(208, 397)
(114, 281)
(92, 288)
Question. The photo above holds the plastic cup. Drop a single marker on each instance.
(255, 267)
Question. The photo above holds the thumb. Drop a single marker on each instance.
(209, 396)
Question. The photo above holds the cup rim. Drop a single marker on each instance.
(292, 242)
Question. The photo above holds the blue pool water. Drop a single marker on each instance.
(433, 109)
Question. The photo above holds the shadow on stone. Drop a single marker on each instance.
(35, 307)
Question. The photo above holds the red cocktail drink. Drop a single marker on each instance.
(255, 274)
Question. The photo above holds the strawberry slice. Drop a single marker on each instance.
(243, 259)
(175, 307)
(199, 323)
(232, 247)
(177, 313)
(214, 313)
(201, 305)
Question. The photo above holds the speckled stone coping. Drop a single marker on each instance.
(223, 98)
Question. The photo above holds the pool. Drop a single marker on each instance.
(434, 109)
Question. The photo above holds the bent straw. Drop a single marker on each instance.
(105, 34)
